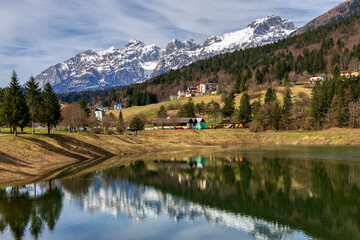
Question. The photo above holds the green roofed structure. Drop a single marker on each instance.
(201, 125)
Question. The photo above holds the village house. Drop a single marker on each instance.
(315, 79)
(192, 90)
(173, 98)
(205, 88)
(118, 106)
(348, 74)
(181, 94)
(200, 89)
(99, 112)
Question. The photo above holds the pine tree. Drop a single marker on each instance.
(248, 74)
(243, 85)
(276, 117)
(120, 125)
(286, 79)
(237, 83)
(188, 109)
(14, 110)
(270, 95)
(162, 113)
(259, 77)
(136, 124)
(336, 72)
(319, 105)
(229, 106)
(50, 109)
(1, 103)
(287, 108)
(245, 109)
(200, 108)
(255, 107)
(84, 105)
(33, 101)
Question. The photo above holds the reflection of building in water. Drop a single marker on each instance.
(236, 158)
(198, 162)
(141, 202)
(201, 184)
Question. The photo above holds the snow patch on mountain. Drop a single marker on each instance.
(136, 61)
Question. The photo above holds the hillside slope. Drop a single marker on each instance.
(344, 10)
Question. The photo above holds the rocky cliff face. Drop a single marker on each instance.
(344, 10)
(136, 62)
(258, 33)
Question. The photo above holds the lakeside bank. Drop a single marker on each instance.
(29, 158)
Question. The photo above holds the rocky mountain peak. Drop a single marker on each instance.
(89, 52)
(134, 43)
(176, 45)
(271, 22)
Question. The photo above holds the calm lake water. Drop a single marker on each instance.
(288, 192)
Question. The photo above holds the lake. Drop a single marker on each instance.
(278, 192)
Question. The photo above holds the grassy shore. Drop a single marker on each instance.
(28, 158)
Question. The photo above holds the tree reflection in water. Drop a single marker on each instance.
(19, 211)
(320, 198)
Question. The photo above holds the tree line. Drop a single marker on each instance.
(19, 108)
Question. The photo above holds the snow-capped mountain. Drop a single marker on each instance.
(136, 62)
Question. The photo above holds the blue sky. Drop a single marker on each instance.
(36, 34)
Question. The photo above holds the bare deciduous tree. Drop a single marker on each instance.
(74, 117)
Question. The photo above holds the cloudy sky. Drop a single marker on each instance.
(36, 34)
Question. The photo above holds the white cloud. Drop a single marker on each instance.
(36, 34)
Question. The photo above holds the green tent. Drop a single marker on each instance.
(201, 125)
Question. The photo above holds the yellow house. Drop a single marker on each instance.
(348, 74)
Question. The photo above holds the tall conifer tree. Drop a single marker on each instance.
(120, 125)
(83, 105)
(162, 113)
(229, 106)
(33, 100)
(1, 103)
(286, 110)
(14, 110)
(245, 109)
(50, 109)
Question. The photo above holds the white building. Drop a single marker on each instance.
(315, 79)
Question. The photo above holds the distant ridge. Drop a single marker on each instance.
(342, 11)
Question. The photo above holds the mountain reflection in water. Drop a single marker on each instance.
(264, 197)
